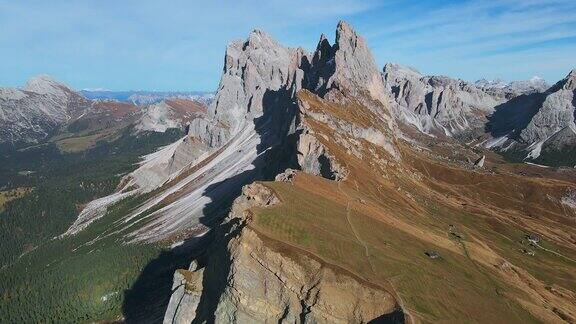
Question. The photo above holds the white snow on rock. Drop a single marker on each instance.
(535, 150)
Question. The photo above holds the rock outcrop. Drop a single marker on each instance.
(245, 281)
(186, 294)
(479, 163)
(167, 114)
(255, 71)
(348, 65)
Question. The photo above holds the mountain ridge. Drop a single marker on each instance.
(317, 187)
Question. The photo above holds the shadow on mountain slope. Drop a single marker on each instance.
(276, 153)
(147, 299)
(395, 317)
(511, 117)
(574, 103)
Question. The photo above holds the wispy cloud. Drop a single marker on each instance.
(476, 31)
(149, 44)
(179, 44)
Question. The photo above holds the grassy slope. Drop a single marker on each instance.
(379, 222)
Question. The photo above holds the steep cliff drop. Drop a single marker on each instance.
(365, 224)
(243, 277)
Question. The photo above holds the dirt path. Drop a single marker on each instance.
(356, 235)
(555, 253)
(367, 254)
(366, 251)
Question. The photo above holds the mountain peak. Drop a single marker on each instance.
(401, 70)
(570, 79)
(348, 64)
(344, 29)
(45, 84)
(568, 83)
(572, 75)
(346, 37)
(258, 38)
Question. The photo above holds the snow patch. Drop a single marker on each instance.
(535, 150)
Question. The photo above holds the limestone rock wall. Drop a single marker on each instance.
(245, 281)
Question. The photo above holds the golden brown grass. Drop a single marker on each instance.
(9, 195)
(378, 223)
(83, 142)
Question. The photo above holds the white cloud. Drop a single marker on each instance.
(480, 31)
(117, 43)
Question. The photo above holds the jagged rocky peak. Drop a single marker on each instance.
(254, 70)
(257, 65)
(260, 74)
(536, 122)
(347, 65)
(554, 113)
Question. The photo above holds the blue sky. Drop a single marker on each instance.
(179, 45)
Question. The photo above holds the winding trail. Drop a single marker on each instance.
(554, 252)
(367, 254)
(356, 235)
(366, 251)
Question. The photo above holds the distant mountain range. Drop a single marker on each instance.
(312, 187)
(142, 97)
(46, 108)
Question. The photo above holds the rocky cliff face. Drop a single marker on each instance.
(436, 103)
(253, 130)
(521, 119)
(246, 281)
(348, 65)
(254, 72)
(536, 121)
